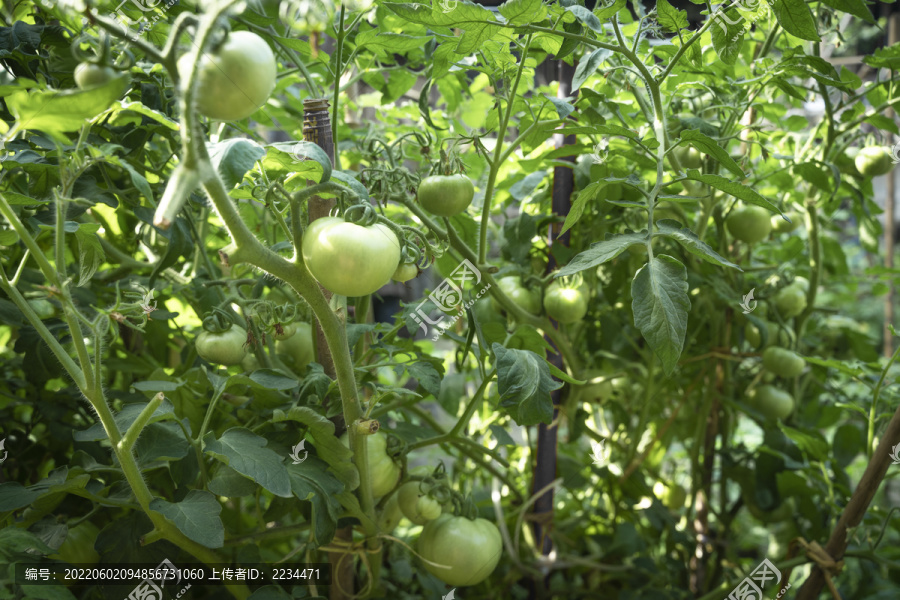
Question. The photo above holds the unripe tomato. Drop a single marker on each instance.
(390, 514)
(527, 300)
(297, 351)
(749, 224)
(384, 473)
(782, 362)
(286, 331)
(78, 547)
(236, 80)
(672, 496)
(349, 259)
(226, 348)
(688, 156)
(565, 304)
(772, 402)
(89, 75)
(779, 225)
(776, 335)
(250, 363)
(43, 308)
(405, 272)
(446, 195)
(415, 503)
(471, 549)
(873, 161)
(790, 301)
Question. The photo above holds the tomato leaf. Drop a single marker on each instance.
(233, 158)
(707, 145)
(310, 481)
(587, 18)
(689, 240)
(660, 305)
(608, 11)
(524, 383)
(796, 18)
(601, 252)
(735, 189)
(327, 446)
(669, 17)
(727, 34)
(90, 252)
(197, 517)
(245, 452)
(523, 12)
(231, 484)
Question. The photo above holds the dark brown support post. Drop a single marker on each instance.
(546, 446)
(317, 129)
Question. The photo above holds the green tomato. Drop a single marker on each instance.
(250, 363)
(471, 549)
(776, 335)
(874, 161)
(415, 503)
(688, 156)
(405, 272)
(43, 308)
(446, 195)
(234, 81)
(297, 351)
(349, 259)
(749, 224)
(287, 331)
(88, 75)
(527, 300)
(790, 301)
(772, 402)
(384, 473)
(673, 497)
(565, 304)
(78, 547)
(782, 362)
(390, 514)
(226, 348)
(779, 225)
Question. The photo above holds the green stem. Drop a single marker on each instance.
(498, 152)
(131, 436)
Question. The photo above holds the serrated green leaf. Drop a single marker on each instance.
(310, 481)
(90, 252)
(586, 18)
(707, 145)
(233, 158)
(231, 484)
(245, 452)
(735, 189)
(607, 12)
(586, 67)
(523, 12)
(669, 17)
(796, 18)
(524, 383)
(660, 305)
(327, 446)
(197, 517)
(601, 252)
(727, 34)
(690, 242)
(588, 194)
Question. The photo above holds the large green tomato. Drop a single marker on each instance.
(446, 195)
(790, 300)
(688, 156)
(236, 80)
(78, 547)
(782, 362)
(349, 259)
(384, 473)
(749, 224)
(565, 304)
(90, 75)
(772, 402)
(416, 504)
(471, 549)
(873, 161)
(226, 348)
(297, 350)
